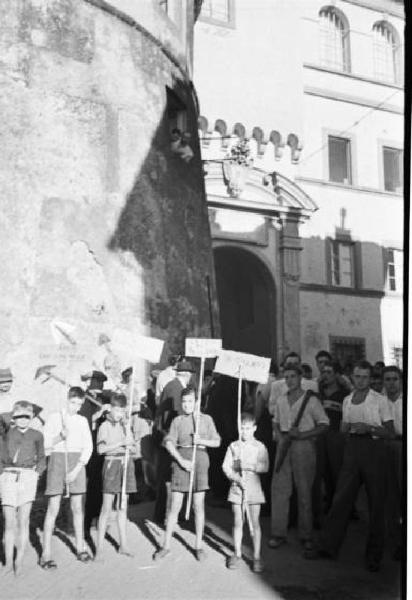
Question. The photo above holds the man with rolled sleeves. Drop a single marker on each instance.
(392, 381)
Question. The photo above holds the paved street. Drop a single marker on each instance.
(180, 576)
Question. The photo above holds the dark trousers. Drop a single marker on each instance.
(329, 459)
(362, 463)
(393, 492)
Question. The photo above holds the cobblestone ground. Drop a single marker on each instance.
(179, 576)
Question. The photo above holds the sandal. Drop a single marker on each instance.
(47, 565)
(84, 557)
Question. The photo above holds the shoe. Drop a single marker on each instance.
(257, 566)
(47, 565)
(84, 557)
(233, 562)
(200, 555)
(161, 553)
(276, 542)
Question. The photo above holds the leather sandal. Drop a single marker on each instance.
(47, 565)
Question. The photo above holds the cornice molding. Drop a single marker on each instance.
(341, 291)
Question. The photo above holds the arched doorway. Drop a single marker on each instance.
(246, 295)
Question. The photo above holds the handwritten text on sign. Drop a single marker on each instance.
(252, 368)
(203, 347)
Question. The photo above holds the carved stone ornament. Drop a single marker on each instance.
(236, 177)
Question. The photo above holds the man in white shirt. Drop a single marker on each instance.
(279, 387)
(299, 460)
(392, 381)
(367, 421)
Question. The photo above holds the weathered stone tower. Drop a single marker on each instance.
(102, 220)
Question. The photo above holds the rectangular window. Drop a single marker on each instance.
(392, 169)
(218, 11)
(342, 264)
(339, 160)
(347, 350)
(394, 270)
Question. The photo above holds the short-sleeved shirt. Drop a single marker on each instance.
(110, 433)
(313, 415)
(279, 388)
(373, 411)
(396, 409)
(182, 429)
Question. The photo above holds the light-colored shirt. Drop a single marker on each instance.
(396, 409)
(163, 379)
(253, 455)
(78, 439)
(183, 427)
(279, 388)
(110, 433)
(313, 415)
(373, 411)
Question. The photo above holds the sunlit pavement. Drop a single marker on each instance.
(179, 576)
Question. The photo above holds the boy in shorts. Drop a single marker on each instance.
(68, 440)
(179, 442)
(245, 459)
(112, 441)
(22, 460)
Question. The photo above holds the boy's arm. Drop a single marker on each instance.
(262, 463)
(230, 467)
(40, 454)
(212, 438)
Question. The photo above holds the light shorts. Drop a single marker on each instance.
(18, 486)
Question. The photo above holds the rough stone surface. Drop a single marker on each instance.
(100, 223)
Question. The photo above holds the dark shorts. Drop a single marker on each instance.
(113, 475)
(181, 478)
(56, 474)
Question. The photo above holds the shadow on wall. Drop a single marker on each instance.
(164, 225)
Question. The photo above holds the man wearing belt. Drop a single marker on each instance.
(300, 461)
(366, 420)
(392, 381)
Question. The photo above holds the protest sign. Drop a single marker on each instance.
(203, 347)
(250, 366)
(137, 346)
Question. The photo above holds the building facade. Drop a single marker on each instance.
(314, 239)
(103, 212)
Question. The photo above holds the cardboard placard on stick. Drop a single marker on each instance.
(137, 346)
(203, 347)
(252, 367)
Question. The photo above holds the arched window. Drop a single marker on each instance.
(386, 52)
(334, 39)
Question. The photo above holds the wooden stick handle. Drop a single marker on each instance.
(128, 427)
(192, 472)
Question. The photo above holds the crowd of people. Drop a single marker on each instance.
(300, 451)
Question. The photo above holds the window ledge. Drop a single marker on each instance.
(326, 69)
(345, 291)
(349, 187)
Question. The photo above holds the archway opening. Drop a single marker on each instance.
(246, 294)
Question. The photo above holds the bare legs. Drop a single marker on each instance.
(254, 510)
(16, 533)
(76, 505)
(199, 508)
(175, 506)
(121, 522)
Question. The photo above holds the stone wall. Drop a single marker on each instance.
(100, 222)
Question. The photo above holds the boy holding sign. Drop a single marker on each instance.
(180, 442)
(245, 459)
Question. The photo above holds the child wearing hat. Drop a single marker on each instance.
(22, 460)
(68, 440)
(180, 442)
(245, 460)
(112, 441)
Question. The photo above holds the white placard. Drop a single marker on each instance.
(137, 346)
(62, 332)
(203, 347)
(252, 367)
